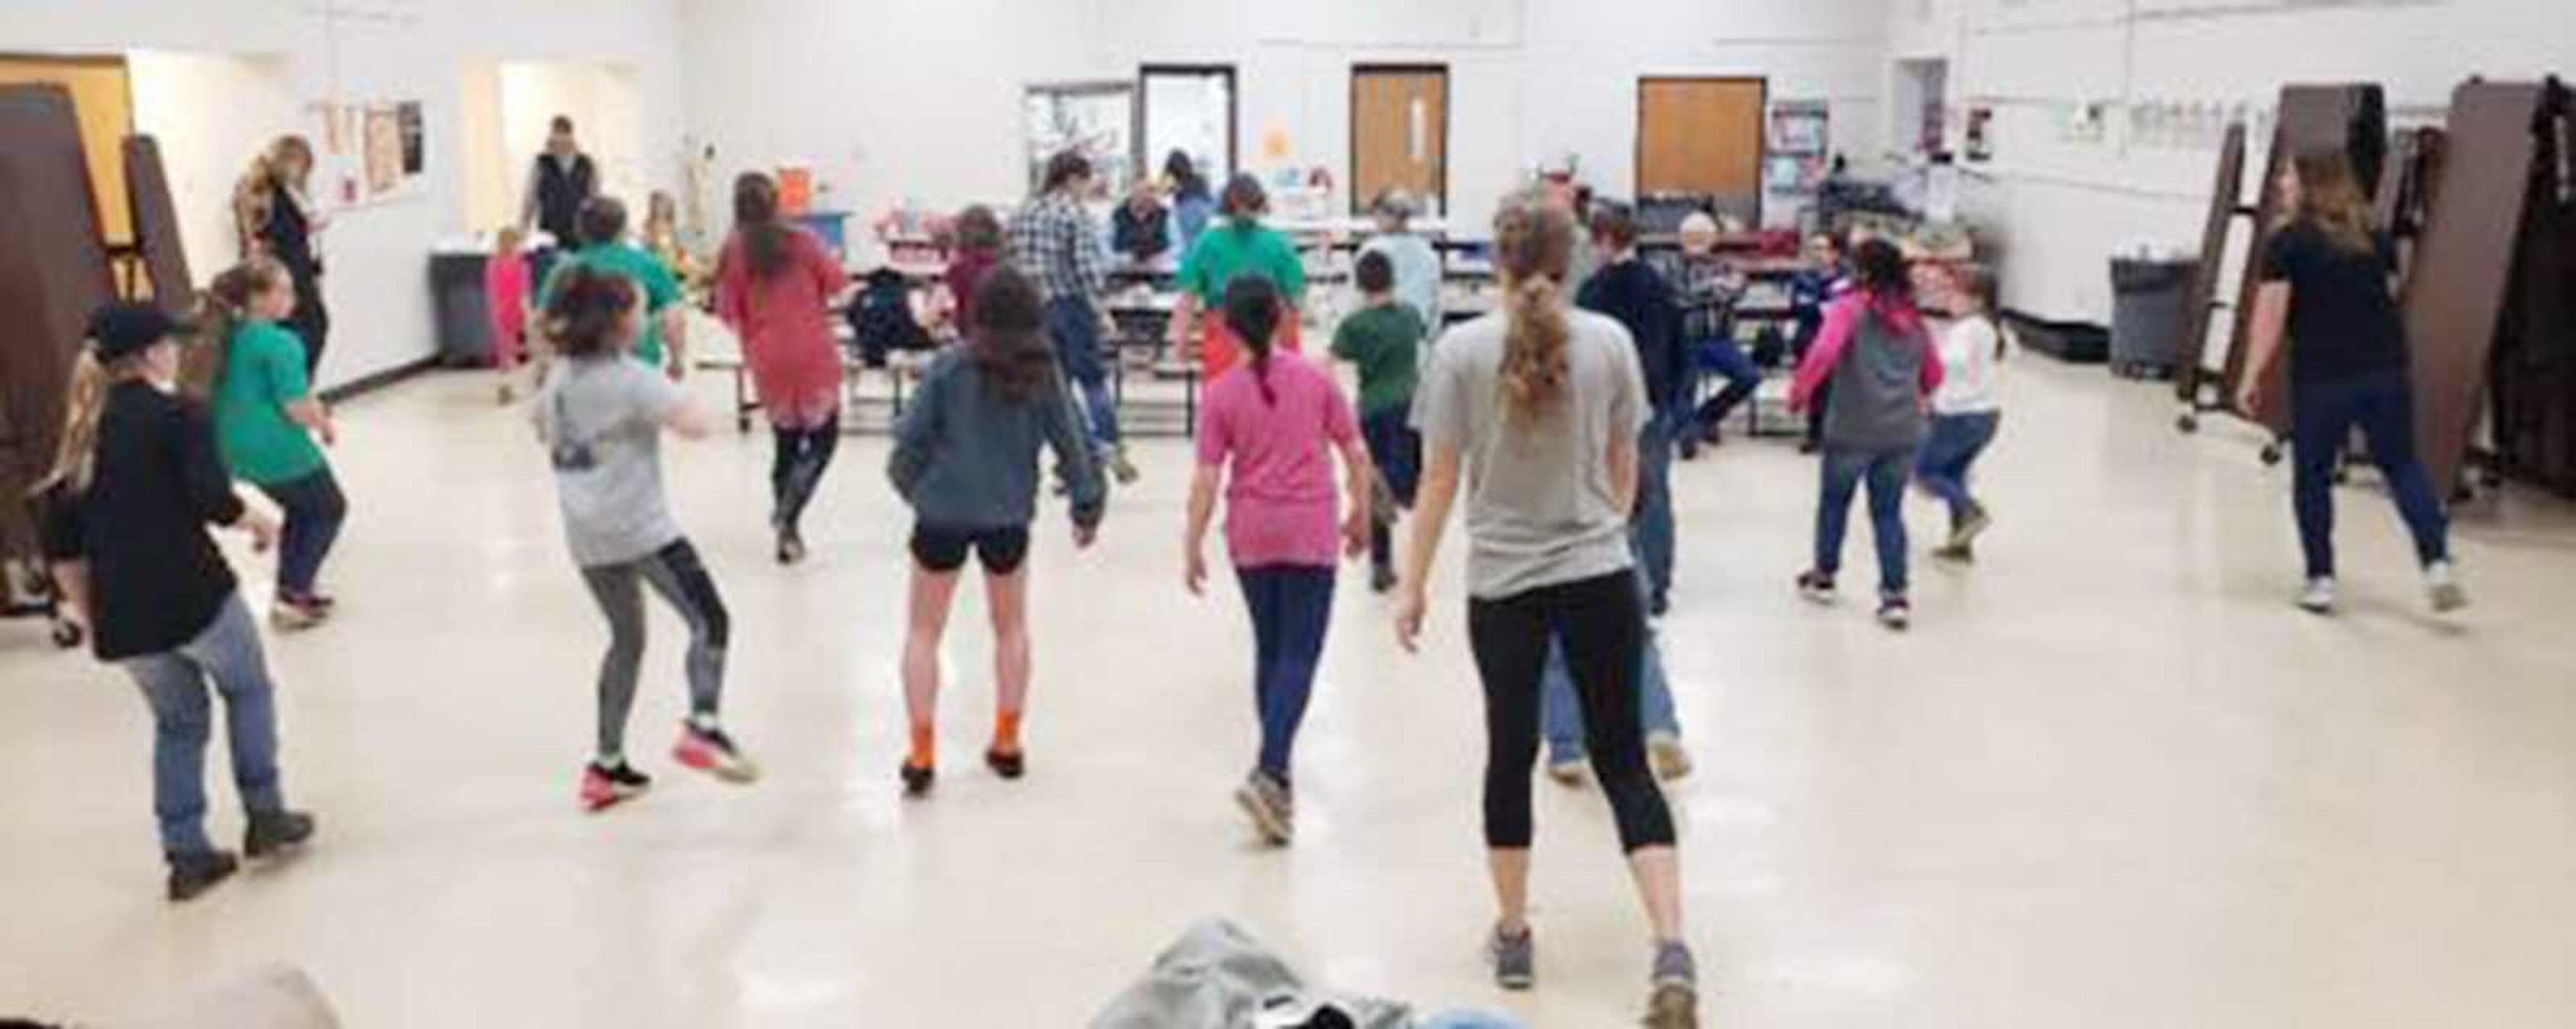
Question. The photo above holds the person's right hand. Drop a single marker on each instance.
(262, 527)
(1194, 575)
(1408, 618)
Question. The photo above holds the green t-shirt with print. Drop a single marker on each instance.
(637, 265)
(1385, 341)
(263, 372)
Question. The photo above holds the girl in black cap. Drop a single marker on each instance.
(134, 483)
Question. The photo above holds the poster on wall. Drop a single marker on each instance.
(366, 154)
(1981, 140)
(1097, 119)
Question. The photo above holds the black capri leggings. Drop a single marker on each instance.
(1602, 624)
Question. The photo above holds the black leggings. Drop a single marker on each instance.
(676, 573)
(796, 468)
(1602, 625)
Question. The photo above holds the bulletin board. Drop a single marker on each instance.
(368, 153)
(1096, 118)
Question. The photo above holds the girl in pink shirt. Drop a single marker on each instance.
(505, 294)
(1266, 429)
(775, 284)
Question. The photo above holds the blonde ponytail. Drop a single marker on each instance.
(1533, 247)
(76, 454)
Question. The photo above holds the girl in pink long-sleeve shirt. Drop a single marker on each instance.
(1881, 363)
(775, 284)
(505, 294)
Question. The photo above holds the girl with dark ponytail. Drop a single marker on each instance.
(774, 286)
(1264, 434)
(1545, 405)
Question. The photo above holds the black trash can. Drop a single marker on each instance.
(464, 319)
(2151, 303)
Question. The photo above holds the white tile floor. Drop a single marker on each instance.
(2111, 780)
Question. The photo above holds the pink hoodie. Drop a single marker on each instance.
(1842, 319)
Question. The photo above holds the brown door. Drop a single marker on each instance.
(105, 104)
(1399, 133)
(1701, 136)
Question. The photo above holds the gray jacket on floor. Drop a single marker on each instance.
(1219, 977)
(966, 456)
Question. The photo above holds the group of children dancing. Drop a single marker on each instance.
(1554, 421)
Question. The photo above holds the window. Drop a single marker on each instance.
(1096, 118)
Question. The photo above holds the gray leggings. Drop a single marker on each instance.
(681, 579)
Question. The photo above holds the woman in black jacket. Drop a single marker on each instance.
(273, 208)
(135, 482)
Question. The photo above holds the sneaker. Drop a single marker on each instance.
(2319, 597)
(1895, 612)
(273, 831)
(1659, 605)
(1665, 752)
(1817, 587)
(791, 547)
(1381, 579)
(1688, 447)
(506, 395)
(1568, 771)
(1515, 958)
(1957, 553)
(2442, 583)
(603, 787)
(713, 752)
(1970, 526)
(1674, 1004)
(1120, 467)
(291, 615)
(917, 779)
(1009, 764)
(1267, 801)
(194, 874)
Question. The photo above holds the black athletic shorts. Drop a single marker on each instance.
(942, 548)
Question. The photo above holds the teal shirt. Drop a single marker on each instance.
(636, 265)
(1237, 248)
(263, 372)
(1385, 341)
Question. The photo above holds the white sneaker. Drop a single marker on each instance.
(1665, 752)
(1568, 773)
(2319, 597)
(2442, 583)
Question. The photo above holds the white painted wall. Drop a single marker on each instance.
(384, 50)
(2063, 207)
(919, 98)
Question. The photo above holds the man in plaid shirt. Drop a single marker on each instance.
(1055, 241)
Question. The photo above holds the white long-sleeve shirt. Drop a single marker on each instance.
(1968, 368)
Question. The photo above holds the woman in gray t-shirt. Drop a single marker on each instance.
(1542, 404)
(601, 416)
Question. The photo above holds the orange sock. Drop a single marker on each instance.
(1006, 731)
(925, 746)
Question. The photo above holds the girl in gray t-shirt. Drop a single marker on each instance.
(1541, 406)
(601, 417)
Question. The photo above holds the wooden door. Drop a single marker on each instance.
(104, 101)
(1702, 136)
(1399, 133)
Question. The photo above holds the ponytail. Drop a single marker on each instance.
(222, 309)
(1533, 246)
(1252, 311)
(76, 453)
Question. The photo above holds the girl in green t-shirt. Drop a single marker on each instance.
(266, 418)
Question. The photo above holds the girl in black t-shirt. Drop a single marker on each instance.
(134, 485)
(2326, 282)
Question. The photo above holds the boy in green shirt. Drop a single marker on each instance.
(604, 248)
(1384, 338)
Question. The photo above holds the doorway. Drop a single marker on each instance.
(1702, 137)
(103, 101)
(1188, 108)
(1400, 134)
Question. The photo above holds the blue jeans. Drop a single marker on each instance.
(1561, 714)
(2322, 416)
(1885, 473)
(1728, 360)
(227, 654)
(1397, 451)
(1076, 329)
(1291, 607)
(1650, 527)
(314, 510)
(1949, 452)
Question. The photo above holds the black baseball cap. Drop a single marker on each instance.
(125, 328)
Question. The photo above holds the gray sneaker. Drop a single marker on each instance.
(1515, 959)
(1272, 809)
(1674, 1004)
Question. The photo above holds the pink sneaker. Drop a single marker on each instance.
(602, 787)
(712, 752)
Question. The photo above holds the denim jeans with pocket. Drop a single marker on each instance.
(1561, 713)
(2322, 417)
(315, 510)
(226, 655)
(1291, 607)
(1885, 472)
